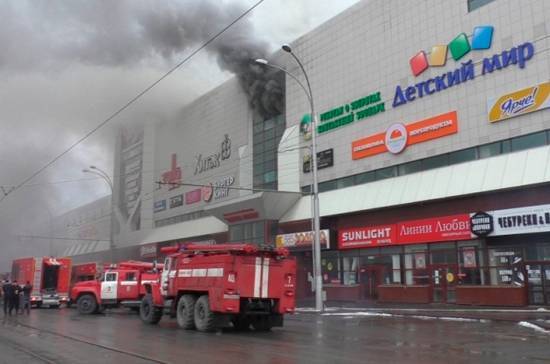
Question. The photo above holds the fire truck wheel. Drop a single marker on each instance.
(148, 312)
(241, 323)
(262, 323)
(86, 304)
(205, 319)
(186, 311)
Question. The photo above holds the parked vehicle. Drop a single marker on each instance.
(208, 287)
(120, 285)
(50, 278)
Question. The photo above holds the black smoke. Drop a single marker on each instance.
(126, 33)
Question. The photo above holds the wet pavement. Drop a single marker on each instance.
(63, 336)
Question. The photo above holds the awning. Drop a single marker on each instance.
(184, 230)
(512, 170)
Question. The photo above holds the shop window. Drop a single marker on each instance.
(349, 270)
(386, 267)
(416, 266)
(330, 268)
(505, 267)
(529, 141)
(444, 253)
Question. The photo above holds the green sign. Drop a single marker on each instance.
(346, 114)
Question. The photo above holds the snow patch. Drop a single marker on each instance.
(350, 314)
(534, 327)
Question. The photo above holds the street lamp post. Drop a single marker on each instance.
(316, 214)
(101, 173)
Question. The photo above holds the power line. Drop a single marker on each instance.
(132, 101)
(57, 238)
(238, 188)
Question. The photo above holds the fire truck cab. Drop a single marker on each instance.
(120, 285)
(209, 287)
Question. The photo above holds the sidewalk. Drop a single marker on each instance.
(534, 314)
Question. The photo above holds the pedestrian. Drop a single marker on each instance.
(14, 295)
(5, 290)
(10, 296)
(27, 289)
(20, 299)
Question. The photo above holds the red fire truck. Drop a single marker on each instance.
(86, 272)
(50, 278)
(207, 287)
(121, 285)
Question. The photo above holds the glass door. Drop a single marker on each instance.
(443, 280)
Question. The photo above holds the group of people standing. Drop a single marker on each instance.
(16, 297)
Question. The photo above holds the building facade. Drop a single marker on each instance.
(434, 158)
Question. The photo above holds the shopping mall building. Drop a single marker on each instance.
(433, 158)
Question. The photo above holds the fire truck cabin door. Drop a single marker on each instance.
(109, 286)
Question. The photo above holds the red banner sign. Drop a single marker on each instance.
(455, 227)
(446, 228)
(367, 237)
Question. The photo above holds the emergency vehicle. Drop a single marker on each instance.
(50, 278)
(209, 287)
(86, 272)
(120, 285)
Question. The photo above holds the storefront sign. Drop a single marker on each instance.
(302, 240)
(519, 102)
(193, 196)
(398, 136)
(367, 237)
(481, 224)
(325, 159)
(459, 47)
(206, 163)
(346, 114)
(176, 201)
(456, 227)
(525, 220)
(160, 206)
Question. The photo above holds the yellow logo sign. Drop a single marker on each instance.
(520, 102)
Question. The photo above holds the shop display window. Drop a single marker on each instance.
(330, 268)
(505, 266)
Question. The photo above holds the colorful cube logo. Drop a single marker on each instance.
(419, 63)
(459, 47)
(438, 56)
(482, 37)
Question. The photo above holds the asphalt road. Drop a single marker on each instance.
(63, 336)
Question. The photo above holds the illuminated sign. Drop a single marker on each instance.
(346, 114)
(520, 102)
(217, 190)
(399, 136)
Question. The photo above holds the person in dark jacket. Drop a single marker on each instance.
(5, 296)
(27, 289)
(10, 296)
(13, 298)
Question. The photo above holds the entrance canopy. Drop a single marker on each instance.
(507, 171)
